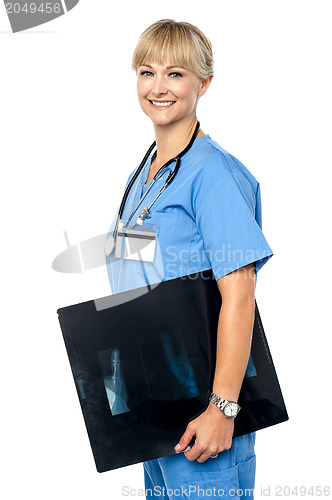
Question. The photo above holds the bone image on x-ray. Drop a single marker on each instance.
(115, 386)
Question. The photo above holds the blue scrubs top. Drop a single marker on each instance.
(209, 217)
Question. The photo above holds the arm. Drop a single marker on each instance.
(212, 429)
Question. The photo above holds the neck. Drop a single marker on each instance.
(173, 138)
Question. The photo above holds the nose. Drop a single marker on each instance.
(159, 86)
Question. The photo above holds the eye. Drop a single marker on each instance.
(146, 73)
(176, 74)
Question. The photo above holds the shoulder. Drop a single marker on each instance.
(216, 166)
(218, 163)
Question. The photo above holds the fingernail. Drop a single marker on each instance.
(178, 446)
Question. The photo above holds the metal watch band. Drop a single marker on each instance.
(221, 403)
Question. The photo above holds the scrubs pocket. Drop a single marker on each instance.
(247, 472)
(217, 484)
(174, 249)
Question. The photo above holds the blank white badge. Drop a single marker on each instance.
(138, 243)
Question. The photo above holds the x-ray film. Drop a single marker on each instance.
(143, 365)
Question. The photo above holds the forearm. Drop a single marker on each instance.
(235, 327)
(212, 430)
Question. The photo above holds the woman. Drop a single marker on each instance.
(208, 217)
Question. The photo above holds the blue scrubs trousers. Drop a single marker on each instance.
(231, 475)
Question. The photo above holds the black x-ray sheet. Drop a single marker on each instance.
(143, 362)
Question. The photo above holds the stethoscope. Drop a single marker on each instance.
(145, 213)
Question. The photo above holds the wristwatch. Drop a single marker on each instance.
(229, 408)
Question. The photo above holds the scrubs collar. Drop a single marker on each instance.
(171, 167)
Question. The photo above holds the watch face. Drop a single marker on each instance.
(230, 410)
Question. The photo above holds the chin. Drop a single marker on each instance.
(157, 118)
(160, 121)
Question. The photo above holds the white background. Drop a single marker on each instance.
(72, 131)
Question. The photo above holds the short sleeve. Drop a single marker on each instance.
(227, 210)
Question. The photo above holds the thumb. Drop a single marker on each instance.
(185, 438)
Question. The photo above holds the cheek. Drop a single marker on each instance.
(185, 91)
(141, 89)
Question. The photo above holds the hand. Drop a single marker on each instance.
(213, 433)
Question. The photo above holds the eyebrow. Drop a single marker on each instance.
(168, 67)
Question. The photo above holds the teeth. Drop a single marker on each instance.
(167, 103)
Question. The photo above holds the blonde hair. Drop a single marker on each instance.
(180, 43)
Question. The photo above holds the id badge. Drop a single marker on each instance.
(136, 242)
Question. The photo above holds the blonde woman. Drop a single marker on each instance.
(209, 217)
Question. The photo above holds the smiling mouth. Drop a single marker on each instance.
(161, 104)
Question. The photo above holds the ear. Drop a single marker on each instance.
(205, 85)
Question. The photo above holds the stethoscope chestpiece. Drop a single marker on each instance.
(145, 214)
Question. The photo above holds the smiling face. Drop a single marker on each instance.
(168, 94)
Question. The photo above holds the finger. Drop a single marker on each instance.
(190, 455)
(194, 452)
(203, 457)
(185, 438)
